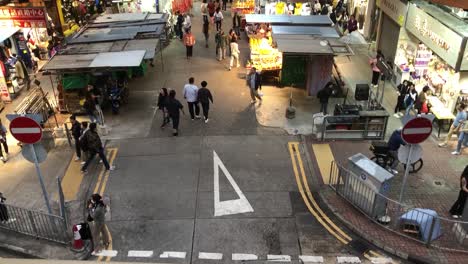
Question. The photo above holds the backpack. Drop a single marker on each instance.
(84, 142)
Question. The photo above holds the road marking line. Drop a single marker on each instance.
(238, 256)
(348, 260)
(306, 200)
(106, 178)
(311, 259)
(324, 157)
(100, 177)
(173, 254)
(140, 253)
(229, 207)
(312, 199)
(421, 130)
(107, 253)
(26, 130)
(281, 258)
(207, 255)
(381, 260)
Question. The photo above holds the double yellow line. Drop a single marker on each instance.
(100, 187)
(311, 203)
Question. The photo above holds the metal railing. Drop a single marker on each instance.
(34, 223)
(421, 225)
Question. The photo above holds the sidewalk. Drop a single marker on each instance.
(434, 187)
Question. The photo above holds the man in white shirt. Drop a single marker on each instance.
(234, 54)
(191, 95)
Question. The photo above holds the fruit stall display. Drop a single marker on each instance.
(243, 6)
(263, 56)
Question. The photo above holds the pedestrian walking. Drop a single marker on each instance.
(83, 145)
(222, 41)
(457, 124)
(206, 29)
(76, 133)
(191, 95)
(211, 9)
(218, 18)
(179, 24)
(90, 108)
(97, 213)
(204, 8)
(189, 41)
(204, 97)
(323, 96)
(234, 54)
(174, 107)
(254, 81)
(375, 69)
(163, 94)
(236, 23)
(4, 217)
(411, 98)
(462, 138)
(457, 208)
(3, 142)
(402, 91)
(224, 5)
(187, 22)
(93, 142)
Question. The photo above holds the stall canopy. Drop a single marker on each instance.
(289, 20)
(122, 45)
(326, 32)
(310, 45)
(120, 59)
(6, 32)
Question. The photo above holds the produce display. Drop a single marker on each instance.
(243, 6)
(263, 56)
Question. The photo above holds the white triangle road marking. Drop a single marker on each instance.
(228, 207)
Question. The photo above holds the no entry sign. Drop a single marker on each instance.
(25, 130)
(416, 130)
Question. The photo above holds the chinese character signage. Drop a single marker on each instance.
(440, 38)
(23, 17)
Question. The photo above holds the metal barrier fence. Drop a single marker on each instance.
(34, 223)
(420, 225)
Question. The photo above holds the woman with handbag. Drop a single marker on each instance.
(3, 141)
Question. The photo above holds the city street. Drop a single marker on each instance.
(221, 191)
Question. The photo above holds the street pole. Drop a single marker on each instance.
(41, 180)
(408, 164)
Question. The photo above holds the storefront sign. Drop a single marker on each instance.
(441, 39)
(23, 17)
(394, 9)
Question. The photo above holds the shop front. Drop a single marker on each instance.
(432, 52)
(392, 20)
(365, 13)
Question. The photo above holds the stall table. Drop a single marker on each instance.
(441, 113)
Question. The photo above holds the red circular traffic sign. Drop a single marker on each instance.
(25, 130)
(416, 130)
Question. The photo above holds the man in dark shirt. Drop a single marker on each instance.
(323, 96)
(394, 144)
(204, 97)
(173, 107)
(76, 133)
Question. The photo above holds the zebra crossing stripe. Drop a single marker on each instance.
(311, 259)
(281, 258)
(347, 260)
(173, 254)
(140, 253)
(237, 256)
(208, 255)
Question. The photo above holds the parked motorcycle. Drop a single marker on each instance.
(115, 97)
(383, 158)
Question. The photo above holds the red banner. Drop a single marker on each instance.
(23, 17)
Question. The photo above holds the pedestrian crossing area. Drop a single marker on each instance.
(215, 256)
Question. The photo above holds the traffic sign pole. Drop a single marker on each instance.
(41, 180)
(405, 177)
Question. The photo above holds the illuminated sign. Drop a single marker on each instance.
(23, 17)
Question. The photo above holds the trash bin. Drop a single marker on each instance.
(371, 183)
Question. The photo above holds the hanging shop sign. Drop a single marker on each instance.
(438, 37)
(464, 65)
(23, 17)
(395, 9)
